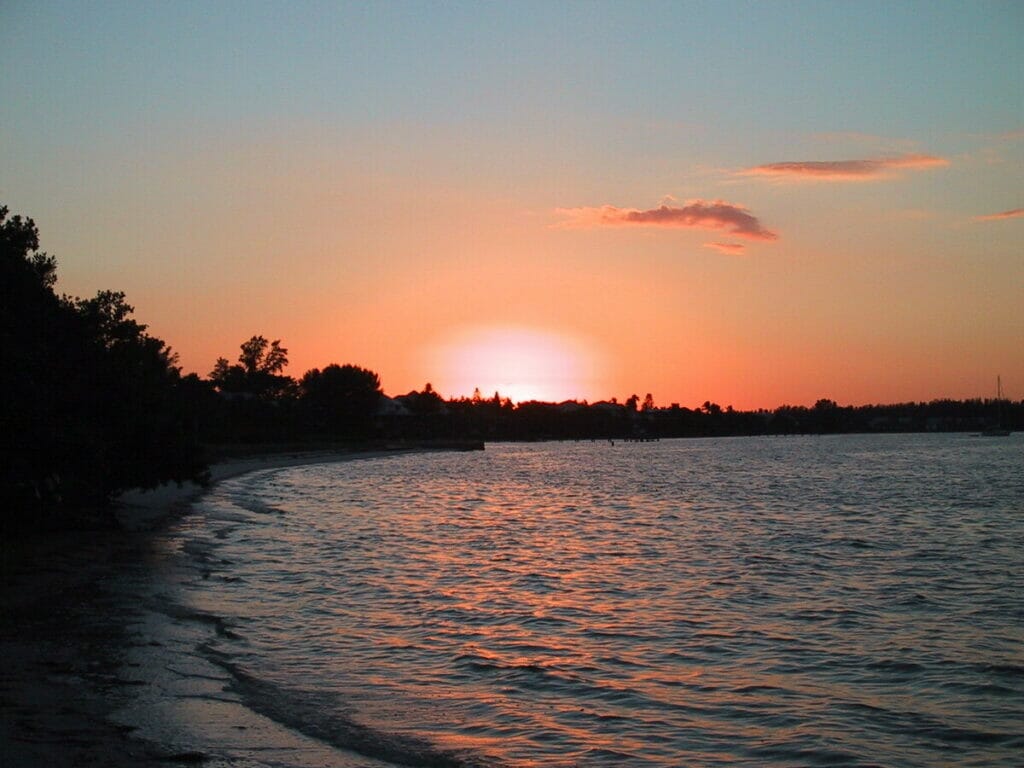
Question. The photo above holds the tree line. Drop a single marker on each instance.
(347, 403)
(94, 404)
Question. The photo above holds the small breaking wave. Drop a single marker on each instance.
(314, 716)
(567, 605)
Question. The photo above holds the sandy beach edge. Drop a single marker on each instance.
(62, 672)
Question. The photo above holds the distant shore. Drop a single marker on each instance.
(62, 638)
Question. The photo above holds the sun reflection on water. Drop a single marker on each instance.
(654, 606)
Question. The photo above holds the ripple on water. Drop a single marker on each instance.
(819, 601)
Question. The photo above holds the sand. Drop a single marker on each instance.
(85, 678)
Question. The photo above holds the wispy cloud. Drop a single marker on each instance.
(704, 214)
(1014, 213)
(846, 170)
(733, 249)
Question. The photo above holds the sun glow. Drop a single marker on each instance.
(519, 363)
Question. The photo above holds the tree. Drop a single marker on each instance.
(342, 398)
(21, 258)
(258, 371)
(827, 415)
(648, 404)
(256, 358)
(91, 403)
(134, 389)
(33, 322)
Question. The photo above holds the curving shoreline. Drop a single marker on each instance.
(68, 635)
(143, 510)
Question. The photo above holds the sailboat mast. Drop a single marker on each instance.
(998, 430)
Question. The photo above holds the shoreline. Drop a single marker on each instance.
(68, 633)
(140, 510)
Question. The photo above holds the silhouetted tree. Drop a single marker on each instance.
(91, 403)
(826, 416)
(133, 388)
(342, 398)
(257, 358)
(427, 401)
(258, 371)
(33, 325)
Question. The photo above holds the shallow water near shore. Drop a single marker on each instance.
(848, 600)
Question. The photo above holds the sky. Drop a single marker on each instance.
(755, 204)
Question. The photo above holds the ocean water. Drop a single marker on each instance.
(846, 600)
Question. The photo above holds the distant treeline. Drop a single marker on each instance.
(92, 404)
(301, 412)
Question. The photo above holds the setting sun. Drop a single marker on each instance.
(511, 384)
(519, 363)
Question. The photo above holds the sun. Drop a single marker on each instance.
(519, 363)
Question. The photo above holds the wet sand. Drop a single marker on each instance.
(92, 675)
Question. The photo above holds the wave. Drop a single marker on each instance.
(221, 627)
(319, 718)
(657, 617)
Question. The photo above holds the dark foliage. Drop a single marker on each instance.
(340, 400)
(258, 371)
(344, 402)
(92, 404)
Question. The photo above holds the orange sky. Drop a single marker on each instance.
(558, 205)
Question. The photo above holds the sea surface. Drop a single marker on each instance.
(834, 601)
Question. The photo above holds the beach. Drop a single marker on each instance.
(78, 650)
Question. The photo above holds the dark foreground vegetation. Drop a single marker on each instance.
(93, 404)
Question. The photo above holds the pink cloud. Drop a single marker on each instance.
(846, 170)
(714, 214)
(1014, 213)
(733, 249)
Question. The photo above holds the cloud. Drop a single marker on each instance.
(846, 170)
(1014, 213)
(733, 249)
(704, 214)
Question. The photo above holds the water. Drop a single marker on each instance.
(849, 600)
